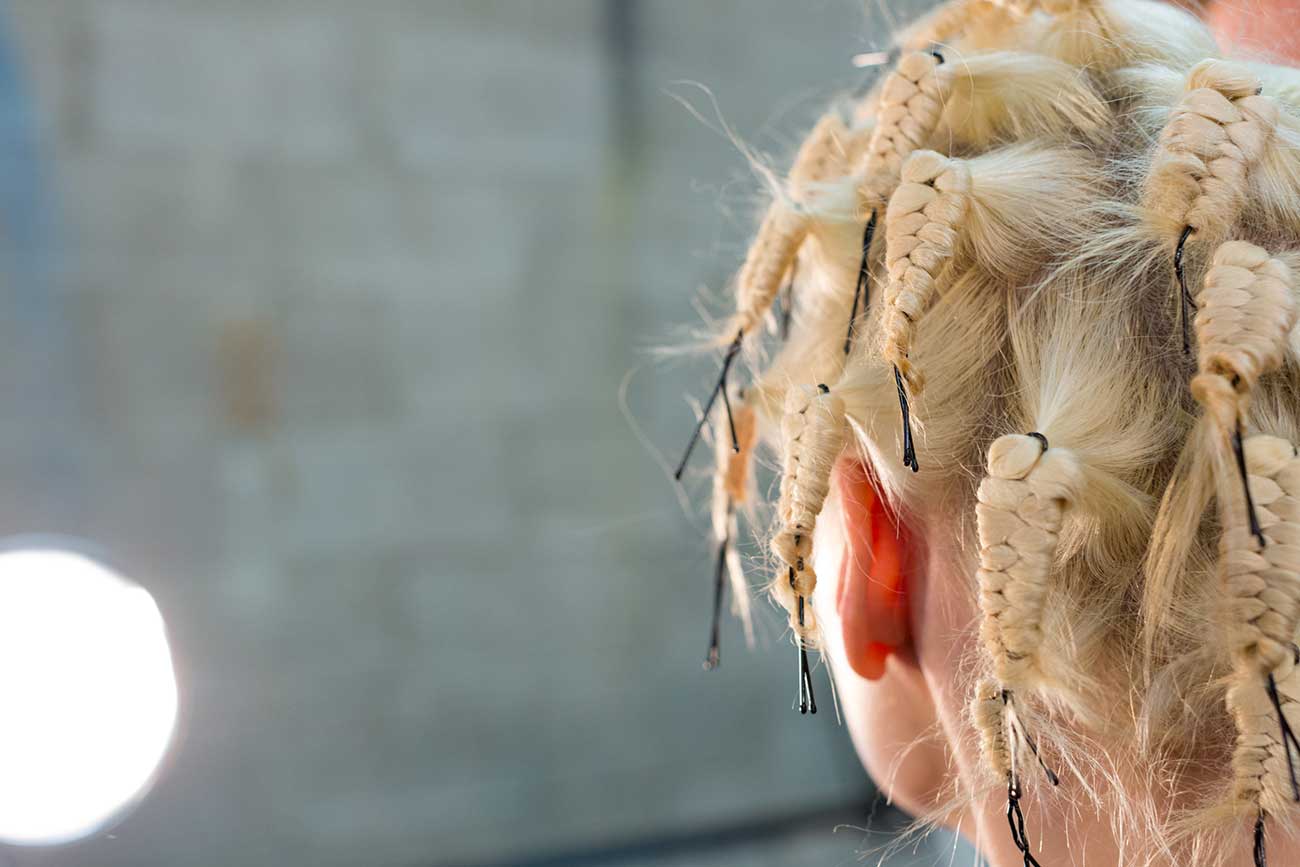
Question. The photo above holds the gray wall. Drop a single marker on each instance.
(324, 344)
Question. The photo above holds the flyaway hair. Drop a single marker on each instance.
(1041, 282)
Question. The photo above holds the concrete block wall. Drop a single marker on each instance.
(347, 292)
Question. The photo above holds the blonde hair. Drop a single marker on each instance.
(1058, 185)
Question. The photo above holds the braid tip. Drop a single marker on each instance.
(713, 659)
(1289, 741)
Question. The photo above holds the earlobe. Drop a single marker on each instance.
(872, 600)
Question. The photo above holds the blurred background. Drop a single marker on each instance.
(314, 319)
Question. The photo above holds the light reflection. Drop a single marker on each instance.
(87, 694)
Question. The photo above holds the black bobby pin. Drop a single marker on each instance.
(937, 56)
(909, 448)
(1261, 859)
(719, 589)
(1020, 730)
(731, 421)
(787, 305)
(1016, 819)
(1186, 304)
(1033, 748)
(862, 293)
(1255, 530)
(1042, 439)
(807, 702)
(721, 386)
(1289, 742)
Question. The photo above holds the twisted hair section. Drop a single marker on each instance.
(1198, 175)
(813, 434)
(1261, 587)
(910, 102)
(924, 220)
(1021, 506)
(822, 156)
(988, 715)
(1245, 316)
(1007, 212)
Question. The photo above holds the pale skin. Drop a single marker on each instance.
(899, 618)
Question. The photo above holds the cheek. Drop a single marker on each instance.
(892, 721)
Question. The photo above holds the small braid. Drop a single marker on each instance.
(1020, 510)
(923, 220)
(813, 431)
(1246, 313)
(911, 101)
(943, 25)
(1261, 781)
(822, 156)
(1021, 505)
(988, 711)
(1214, 135)
(1262, 610)
(1263, 585)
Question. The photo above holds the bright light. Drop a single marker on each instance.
(871, 58)
(87, 695)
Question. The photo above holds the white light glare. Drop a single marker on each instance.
(87, 695)
(870, 58)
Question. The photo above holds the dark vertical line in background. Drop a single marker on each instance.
(623, 55)
(48, 390)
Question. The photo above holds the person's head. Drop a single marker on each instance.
(1013, 448)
